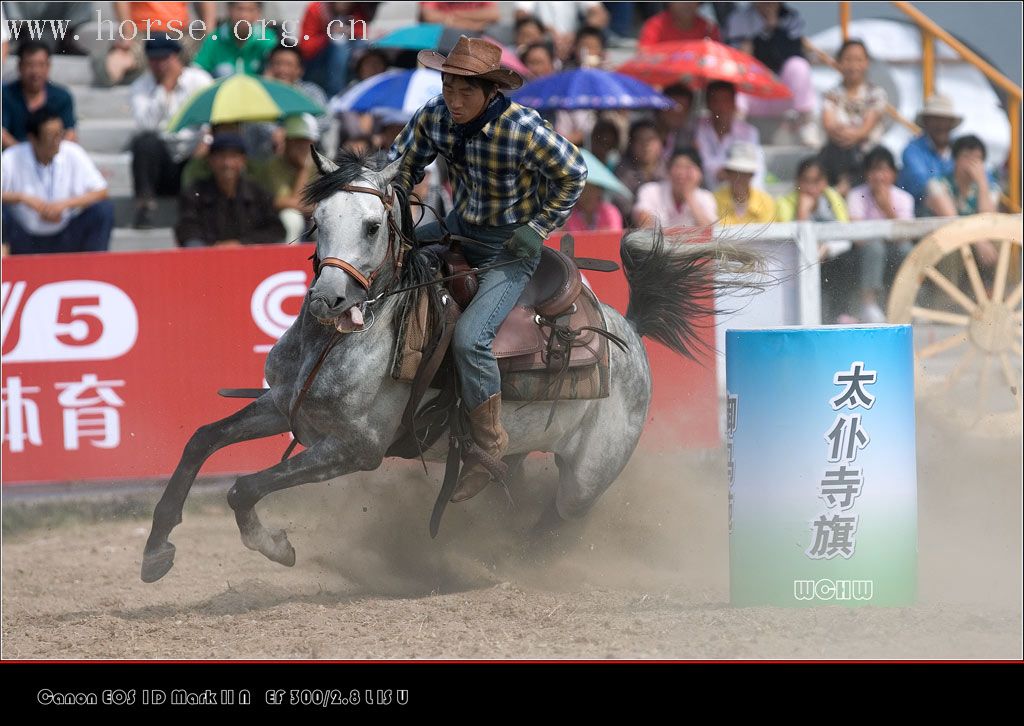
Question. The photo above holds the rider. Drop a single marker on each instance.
(515, 180)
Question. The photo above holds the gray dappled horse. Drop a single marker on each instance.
(352, 410)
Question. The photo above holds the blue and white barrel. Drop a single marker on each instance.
(822, 466)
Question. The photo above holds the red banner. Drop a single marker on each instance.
(111, 361)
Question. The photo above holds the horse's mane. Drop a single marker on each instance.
(351, 167)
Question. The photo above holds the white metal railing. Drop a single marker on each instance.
(800, 268)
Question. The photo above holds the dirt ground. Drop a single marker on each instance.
(644, 576)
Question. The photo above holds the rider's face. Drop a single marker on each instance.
(464, 100)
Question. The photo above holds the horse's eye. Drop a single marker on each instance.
(372, 228)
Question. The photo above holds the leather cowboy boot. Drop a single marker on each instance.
(485, 421)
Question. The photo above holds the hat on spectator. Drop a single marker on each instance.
(160, 46)
(939, 106)
(385, 117)
(473, 57)
(228, 142)
(301, 126)
(742, 157)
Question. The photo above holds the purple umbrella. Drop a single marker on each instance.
(589, 88)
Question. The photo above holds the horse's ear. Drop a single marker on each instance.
(389, 172)
(323, 164)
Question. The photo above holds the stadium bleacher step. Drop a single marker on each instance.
(124, 212)
(102, 103)
(133, 240)
(105, 136)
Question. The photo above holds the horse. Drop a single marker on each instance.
(347, 412)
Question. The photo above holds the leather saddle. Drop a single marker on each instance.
(555, 293)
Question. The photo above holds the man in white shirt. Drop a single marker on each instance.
(54, 198)
(157, 155)
(717, 132)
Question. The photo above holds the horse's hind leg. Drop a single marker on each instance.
(260, 418)
(326, 459)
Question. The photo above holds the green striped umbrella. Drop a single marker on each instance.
(240, 98)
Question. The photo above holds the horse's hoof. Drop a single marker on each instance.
(157, 563)
(283, 552)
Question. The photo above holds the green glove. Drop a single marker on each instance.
(524, 242)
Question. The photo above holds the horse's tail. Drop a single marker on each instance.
(672, 286)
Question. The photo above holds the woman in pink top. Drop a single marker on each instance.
(593, 213)
(679, 201)
(879, 198)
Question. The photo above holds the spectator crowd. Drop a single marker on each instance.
(700, 162)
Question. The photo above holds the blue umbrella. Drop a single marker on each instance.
(589, 88)
(404, 90)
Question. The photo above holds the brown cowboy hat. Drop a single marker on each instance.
(473, 57)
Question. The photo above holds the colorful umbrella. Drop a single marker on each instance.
(695, 62)
(242, 98)
(589, 88)
(434, 36)
(404, 90)
(601, 176)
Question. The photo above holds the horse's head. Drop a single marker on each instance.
(355, 242)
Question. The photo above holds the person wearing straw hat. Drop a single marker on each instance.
(739, 201)
(929, 155)
(514, 182)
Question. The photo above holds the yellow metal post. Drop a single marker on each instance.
(844, 19)
(928, 62)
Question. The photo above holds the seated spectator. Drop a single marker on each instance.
(69, 16)
(224, 53)
(54, 198)
(718, 131)
(31, 91)
(814, 201)
(124, 60)
(5, 36)
(738, 200)
(284, 64)
(966, 191)
(773, 33)
(676, 126)
(852, 115)
(529, 31)
(678, 201)
(388, 123)
(643, 161)
(563, 19)
(327, 55)
(539, 59)
(228, 209)
(472, 16)
(929, 155)
(285, 175)
(589, 49)
(157, 155)
(606, 142)
(878, 198)
(680, 21)
(593, 213)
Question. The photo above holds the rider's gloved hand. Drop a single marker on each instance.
(524, 242)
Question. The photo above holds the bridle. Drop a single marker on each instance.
(398, 243)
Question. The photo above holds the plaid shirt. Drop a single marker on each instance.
(517, 170)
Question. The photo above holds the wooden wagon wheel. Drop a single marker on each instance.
(967, 337)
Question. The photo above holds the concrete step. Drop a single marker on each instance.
(124, 212)
(95, 104)
(129, 240)
(783, 160)
(117, 170)
(105, 136)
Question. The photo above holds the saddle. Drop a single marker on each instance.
(553, 332)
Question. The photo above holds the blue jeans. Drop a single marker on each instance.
(88, 231)
(498, 293)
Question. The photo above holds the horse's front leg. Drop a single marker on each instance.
(327, 459)
(259, 419)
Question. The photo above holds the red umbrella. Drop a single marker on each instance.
(695, 62)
